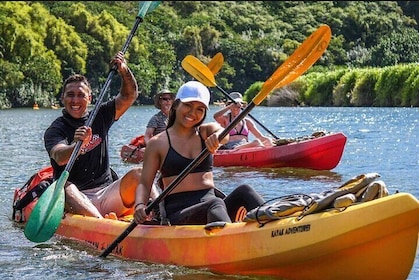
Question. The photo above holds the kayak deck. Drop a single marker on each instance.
(371, 240)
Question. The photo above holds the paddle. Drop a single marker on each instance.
(200, 72)
(302, 59)
(196, 69)
(216, 63)
(48, 211)
(214, 66)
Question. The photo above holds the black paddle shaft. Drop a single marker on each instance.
(95, 110)
(178, 179)
(205, 152)
(253, 118)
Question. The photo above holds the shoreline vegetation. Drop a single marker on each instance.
(392, 86)
(372, 59)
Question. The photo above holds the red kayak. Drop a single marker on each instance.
(319, 151)
(133, 152)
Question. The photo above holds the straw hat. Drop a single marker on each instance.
(159, 95)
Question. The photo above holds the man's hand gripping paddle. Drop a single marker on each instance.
(49, 210)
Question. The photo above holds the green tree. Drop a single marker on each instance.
(397, 47)
(24, 37)
(410, 91)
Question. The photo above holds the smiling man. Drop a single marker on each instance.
(92, 189)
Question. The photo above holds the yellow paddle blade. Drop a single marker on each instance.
(316, 53)
(198, 70)
(203, 73)
(298, 63)
(216, 63)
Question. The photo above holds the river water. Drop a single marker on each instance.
(383, 140)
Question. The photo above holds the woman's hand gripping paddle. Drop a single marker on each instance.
(302, 59)
(48, 211)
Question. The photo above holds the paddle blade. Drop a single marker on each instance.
(198, 70)
(216, 63)
(311, 50)
(47, 213)
(146, 7)
(298, 63)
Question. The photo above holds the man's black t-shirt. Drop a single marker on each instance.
(92, 169)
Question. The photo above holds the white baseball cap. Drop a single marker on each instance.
(194, 91)
(237, 97)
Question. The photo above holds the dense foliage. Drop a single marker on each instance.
(371, 60)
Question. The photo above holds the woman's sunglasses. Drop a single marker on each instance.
(166, 98)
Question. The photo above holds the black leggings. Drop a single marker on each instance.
(242, 196)
(203, 206)
(195, 208)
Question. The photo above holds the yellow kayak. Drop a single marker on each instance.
(371, 240)
(329, 236)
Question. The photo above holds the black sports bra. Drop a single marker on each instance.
(175, 163)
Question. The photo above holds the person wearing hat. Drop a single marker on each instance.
(239, 135)
(194, 200)
(157, 123)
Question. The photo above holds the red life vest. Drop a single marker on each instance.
(24, 198)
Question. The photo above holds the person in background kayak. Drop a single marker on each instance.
(194, 199)
(239, 136)
(158, 122)
(90, 189)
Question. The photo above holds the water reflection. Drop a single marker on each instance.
(281, 173)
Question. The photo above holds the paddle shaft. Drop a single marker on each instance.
(48, 212)
(293, 68)
(95, 110)
(178, 179)
(214, 65)
(253, 118)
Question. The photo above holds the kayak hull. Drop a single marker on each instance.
(321, 153)
(371, 240)
(131, 153)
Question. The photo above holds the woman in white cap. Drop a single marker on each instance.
(194, 199)
(239, 136)
(158, 122)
